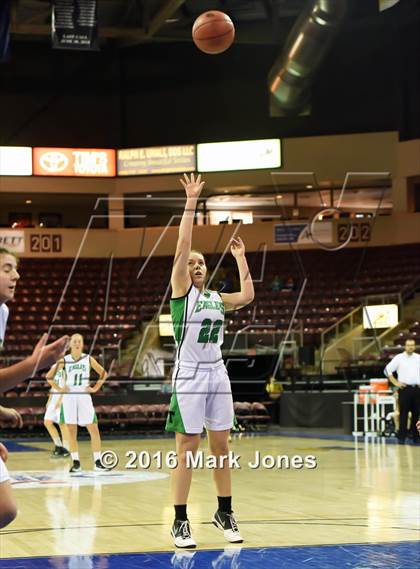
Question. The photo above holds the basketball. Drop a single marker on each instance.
(213, 32)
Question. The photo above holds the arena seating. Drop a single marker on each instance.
(106, 312)
(413, 331)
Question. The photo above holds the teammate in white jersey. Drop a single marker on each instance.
(43, 356)
(52, 415)
(77, 407)
(202, 394)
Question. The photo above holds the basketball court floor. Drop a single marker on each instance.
(359, 508)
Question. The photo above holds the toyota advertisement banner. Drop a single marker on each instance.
(92, 162)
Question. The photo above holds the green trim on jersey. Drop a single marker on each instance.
(174, 422)
(178, 314)
(179, 311)
(62, 419)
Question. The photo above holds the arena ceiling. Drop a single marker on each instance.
(130, 22)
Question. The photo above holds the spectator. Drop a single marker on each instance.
(289, 285)
(276, 284)
(407, 365)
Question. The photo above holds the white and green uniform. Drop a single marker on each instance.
(4, 314)
(51, 412)
(77, 408)
(201, 388)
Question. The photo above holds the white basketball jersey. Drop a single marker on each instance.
(77, 372)
(198, 319)
(4, 315)
(60, 380)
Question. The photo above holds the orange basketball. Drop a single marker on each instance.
(213, 32)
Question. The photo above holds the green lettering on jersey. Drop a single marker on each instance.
(210, 305)
(77, 380)
(75, 367)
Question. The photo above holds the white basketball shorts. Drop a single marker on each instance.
(200, 398)
(51, 412)
(77, 409)
(4, 473)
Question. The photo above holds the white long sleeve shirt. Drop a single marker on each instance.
(407, 367)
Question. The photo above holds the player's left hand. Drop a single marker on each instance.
(237, 247)
(3, 453)
(10, 418)
(90, 390)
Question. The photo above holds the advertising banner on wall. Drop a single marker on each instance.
(74, 24)
(92, 162)
(238, 155)
(12, 240)
(15, 161)
(156, 160)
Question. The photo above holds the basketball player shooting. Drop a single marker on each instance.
(202, 394)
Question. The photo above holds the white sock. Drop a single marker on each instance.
(57, 441)
(96, 456)
(75, 456)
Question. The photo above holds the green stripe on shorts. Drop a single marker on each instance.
(174, 422)
(62, 419)
(235, 422)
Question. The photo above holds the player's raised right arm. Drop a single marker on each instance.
(180, 279)
(44, 355)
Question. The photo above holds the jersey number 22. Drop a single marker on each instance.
(209, 331)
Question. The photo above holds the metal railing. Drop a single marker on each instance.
(335, 330)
